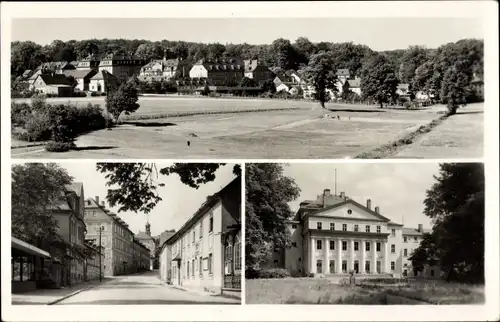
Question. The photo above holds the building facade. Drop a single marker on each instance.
(255, 69)
(334, 235)
(92, 263)
(121, 66)
(228, 72)
(205, 253)
(144, 237)
(141, 258)
(165, 69)
(115, 236)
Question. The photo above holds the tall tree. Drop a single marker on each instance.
(319, 72)
(133, 186)
(123, 100)
(304, 48)
(412, 58)
(378, 80)
(284, 54)
(456, 205)
(268, 192)
(454, 87)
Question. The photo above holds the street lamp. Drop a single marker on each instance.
(101, 228)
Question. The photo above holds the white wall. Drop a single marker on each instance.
(198, 71)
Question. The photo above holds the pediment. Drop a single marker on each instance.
(350, 210)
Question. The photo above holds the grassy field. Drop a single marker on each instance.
(288, 129)
(326, 291)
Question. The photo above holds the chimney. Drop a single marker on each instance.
(326, 193)
(102, 203)
(420, 228)
(369, 203)
(97, 200)
(342, 195)
(377, 210)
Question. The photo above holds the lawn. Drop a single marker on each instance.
(328, 291)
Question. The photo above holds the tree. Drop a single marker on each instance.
(134, 185)
(268, 193)
(248, 82)
(319, 72)
(268, 86)
(454, 88)
(123, 100)
(149, 51)
(284, 54)
(304, 48)
(37, 189)
(378, 80)
(412, 58)
(456, 205)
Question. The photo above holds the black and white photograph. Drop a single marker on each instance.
(167, 90)
(126, 233)
(364, 234)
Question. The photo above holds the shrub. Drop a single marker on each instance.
(79, 94)
(39, 103)
(103, 94)
(38, 128)
(20, 113)
(94, 94)
(59, 146)
(273, 273)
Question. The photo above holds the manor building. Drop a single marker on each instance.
(334, 234)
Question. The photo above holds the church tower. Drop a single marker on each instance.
(148, 229)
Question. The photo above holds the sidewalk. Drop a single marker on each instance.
(52, 296)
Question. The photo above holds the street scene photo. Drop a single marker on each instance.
(277, 92)
(126, 233)
(386, 233)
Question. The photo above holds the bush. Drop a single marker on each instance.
(94, 94)
(39, 103)
(20, 113)
(273, 273)
(79, 94)
(38, 128)
(59, 146)
(103, 94)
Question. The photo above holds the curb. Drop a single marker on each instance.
(75, 293)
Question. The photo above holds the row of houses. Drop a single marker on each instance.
(205, 253)
(100, 244)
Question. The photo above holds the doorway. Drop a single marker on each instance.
(356, 267)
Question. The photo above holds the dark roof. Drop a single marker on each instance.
(415, 232)
(143, 235)
(223, 64)
(80, 73)
(55, 79)
(343, 72)
(209, 203)
(346, 202)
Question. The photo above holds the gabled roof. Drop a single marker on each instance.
(348, 201)
(55, 79)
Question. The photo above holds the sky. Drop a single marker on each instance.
(399, 189)
(377, 33)
(179, 202)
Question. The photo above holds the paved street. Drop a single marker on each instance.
(142, 289)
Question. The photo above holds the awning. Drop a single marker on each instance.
(27, 248)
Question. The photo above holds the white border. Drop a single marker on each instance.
(485, 10)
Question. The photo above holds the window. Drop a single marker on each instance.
(367, 246)
(344, 227)
(93, 213)
(344, 245)
(393, 232)
(332, 266)
(356, 227)
(344, 266)
(356, 246)
(294, 226)
(319, 266)
(201, 266)
(332, 226)
(318, 244)
(378, 247)
(187, 266)
(332, 244)
(405, 265)
(367, 266)
(194, 235)
(367, 229)
(415, 239)
(405, 252)
(378, 267)
(405, 239)
(393, 266)
(378, 229)
(432, 272)
(211, 223)
(318, 225)
(294, 244)
(349, 211)
(210, 263)
(192, 267)
(393, 248)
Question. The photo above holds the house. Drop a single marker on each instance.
(403, 90)
(224, 72)
(255, 69)
(344, 75)
(89, 62)
(165, 69)
(57, 84)
(150, 243)
(335, 234)
(102, 81)
(281, 86)
(477, 85)
(113, 234)
(122, 67)
(141, 257)
(205, 253)
(82, 77)
(354, 85)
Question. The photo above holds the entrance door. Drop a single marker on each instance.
(179, 273)
(356, 267)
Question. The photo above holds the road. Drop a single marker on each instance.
(142, 289)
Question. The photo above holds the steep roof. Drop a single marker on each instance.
(143, 235)
(55, 79)
(223, 64)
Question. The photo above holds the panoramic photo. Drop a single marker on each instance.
(126, 233)
(382, 234)
(169, 91)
